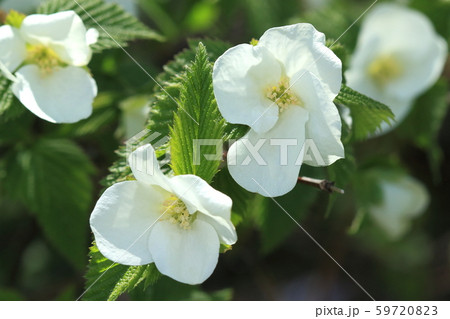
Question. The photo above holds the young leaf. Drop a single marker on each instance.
(53, 179)
(115, 25)
(198, 126)
(367, 114)
(106, 280)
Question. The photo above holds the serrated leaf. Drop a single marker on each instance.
(367, 114)
(164, 106)
(197, 122)
(106, 280)
(115, 26)
(53, 179)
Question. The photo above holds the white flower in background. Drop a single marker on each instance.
(48, 55)
(283, 88)
(404, 198)
(398, 57)
(134, 114)
(176, 222)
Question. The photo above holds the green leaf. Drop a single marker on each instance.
(115, 25)
(10, 107)
(165, 105)
(53, 179)
(367, 114)
(198, 126)
(106, 280)
(423, 123)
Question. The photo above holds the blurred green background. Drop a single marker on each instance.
(273, 259)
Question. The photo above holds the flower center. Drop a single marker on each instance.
(44, 57)
(384, 69)
(176, 212)
(282, 95)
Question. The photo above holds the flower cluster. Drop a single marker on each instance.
(46, 58)
(283, 88)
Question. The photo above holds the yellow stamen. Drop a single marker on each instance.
(176, 212)
(44, 57)
(282, 95)
(384, 69)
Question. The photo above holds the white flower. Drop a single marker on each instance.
(283, 88)
(176, 222)
(398, 56)
(403, 198)
(134, 114)
(48, 55)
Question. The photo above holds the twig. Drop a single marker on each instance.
(321, 184)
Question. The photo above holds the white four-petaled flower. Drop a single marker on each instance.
(398, 56)
(176, 222)
(283, 88)
(46, 58)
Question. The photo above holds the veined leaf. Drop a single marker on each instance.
(115, 25)
(106, 280)
(367, 114)
(198, 126)
(53, 179)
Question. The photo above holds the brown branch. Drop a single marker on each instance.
(321, 184)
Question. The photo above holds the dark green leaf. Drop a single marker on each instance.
(424, 122)
(53, 179)
(367, 114)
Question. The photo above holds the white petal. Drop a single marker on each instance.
(323, 129)
(122, 221)
(64, 32)
(12, 48)
(240, 78)
(397, 29)
(63, 96)
(92, 36)
(188, 256)
(214, 206)
(302, 47)
(403, 199)
(145, 167)
(271, 169)
(394, 31)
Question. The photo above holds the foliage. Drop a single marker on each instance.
(106, 280)
(53, 179)
(197, 119)
(367, 114)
